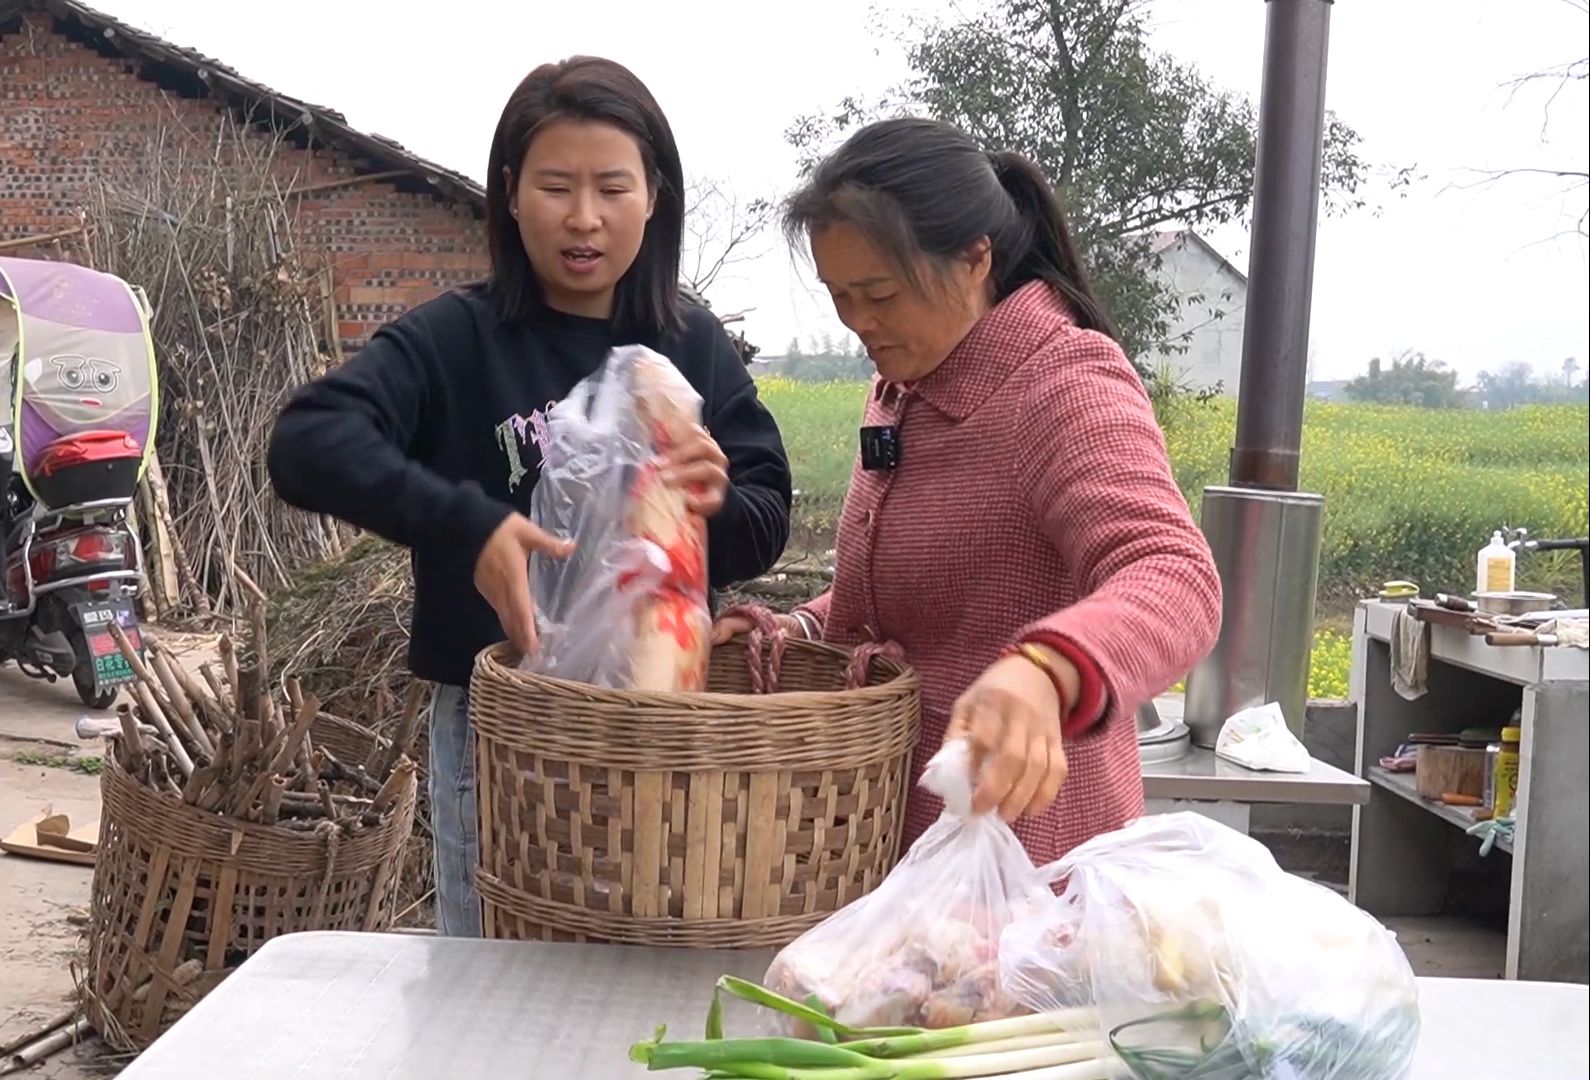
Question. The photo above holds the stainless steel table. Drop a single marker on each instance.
(1402, 844)
(1204, 777)
(1227, 792)
(408, 1007)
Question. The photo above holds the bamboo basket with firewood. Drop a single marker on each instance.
(227, 820)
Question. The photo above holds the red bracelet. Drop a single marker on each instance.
(1032, 653)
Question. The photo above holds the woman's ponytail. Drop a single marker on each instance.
(1043, 249)
(918, 187)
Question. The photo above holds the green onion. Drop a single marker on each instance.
(1045, 1046)
(818, 1018)
(798, 1059)
(1092, 1069)
(1053, 1025)
(1020, 1042)
(722, 1053)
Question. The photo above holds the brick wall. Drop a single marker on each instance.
(67, 112)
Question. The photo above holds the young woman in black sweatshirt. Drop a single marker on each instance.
(427, 436)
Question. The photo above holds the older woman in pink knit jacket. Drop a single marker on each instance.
(1023, 539)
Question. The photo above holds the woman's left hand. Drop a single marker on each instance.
(1011, 717)
(696, 464)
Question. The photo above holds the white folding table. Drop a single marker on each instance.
(320, 1006)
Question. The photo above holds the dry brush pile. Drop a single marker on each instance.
(342, 628)
(240, 318)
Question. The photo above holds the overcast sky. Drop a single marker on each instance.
(1475, 276)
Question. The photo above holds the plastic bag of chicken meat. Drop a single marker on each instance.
(1205, 958)
(628, 608)
(922, 949)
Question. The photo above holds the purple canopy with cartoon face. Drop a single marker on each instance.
(75, 356)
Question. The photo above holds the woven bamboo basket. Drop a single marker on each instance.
(349, 741)
(182, 896)
(735, 817)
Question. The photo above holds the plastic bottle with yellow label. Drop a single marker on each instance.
(1494, 569)
(1504, 779)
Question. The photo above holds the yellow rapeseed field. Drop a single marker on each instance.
(1409, 493)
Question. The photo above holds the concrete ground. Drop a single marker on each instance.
(45, 904)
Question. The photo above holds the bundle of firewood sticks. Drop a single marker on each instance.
(226, 743)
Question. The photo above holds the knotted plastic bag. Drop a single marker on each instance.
(922, 949)
(628, 608)
(1206, 959)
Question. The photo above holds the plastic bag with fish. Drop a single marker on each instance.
(922, 950)
(628, 608)
(1206, 959)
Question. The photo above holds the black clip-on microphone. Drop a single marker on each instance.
(880, 448)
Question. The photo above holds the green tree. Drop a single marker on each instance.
(1516, 383)
(1412, 379)
(1132, 139)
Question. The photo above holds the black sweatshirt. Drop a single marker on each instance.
(423, 438)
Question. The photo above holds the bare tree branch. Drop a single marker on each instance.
(1575, 178)
(721, 230)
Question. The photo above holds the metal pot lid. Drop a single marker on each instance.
(1173, 746)
(1165, 731)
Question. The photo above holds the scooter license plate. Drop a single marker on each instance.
(110, 666)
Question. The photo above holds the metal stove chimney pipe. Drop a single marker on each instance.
(1265, 534)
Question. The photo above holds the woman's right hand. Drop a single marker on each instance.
(731, 626)
(502, 575)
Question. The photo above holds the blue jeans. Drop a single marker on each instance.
(455, 831)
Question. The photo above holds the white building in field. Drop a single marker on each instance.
(1214, 297)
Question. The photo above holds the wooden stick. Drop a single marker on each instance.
(153, 714)
(212, 797)
(296, 804)
(334, 771)
(329, 807)
(312, 798)
(270, 724)
(130, 738)
(38, 1051)
(304, 762)
(412, 704)
(65, 234)
(402, 774)
(225, 749)
(256, 620)
(59, 1020)
(121, 755)
(229, 665)
(223, 696)
(178, 696)
(169, 539)
(199, 783)
(249, 584)
(286, 747)
(148, 690)
(134, 661)
(160, 776)
(271, 805)
(210, 708)
(276, 757)
(247, 691)
(311, 776)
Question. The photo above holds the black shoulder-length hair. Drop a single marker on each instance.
(919, 188)
(589, 88)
